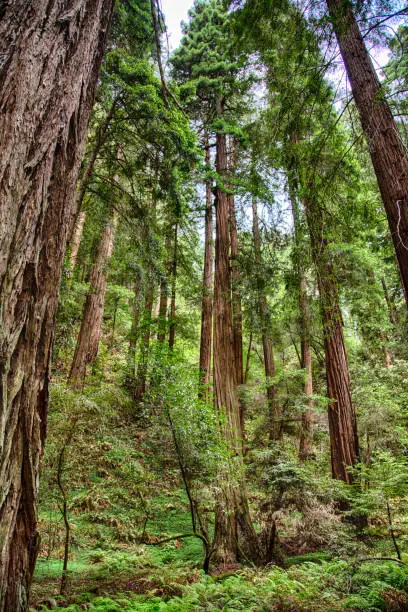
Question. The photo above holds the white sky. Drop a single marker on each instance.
(175, 11)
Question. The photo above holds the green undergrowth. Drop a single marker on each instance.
(125, 495)
(138, 582)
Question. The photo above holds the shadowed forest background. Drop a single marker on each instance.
(203, 306)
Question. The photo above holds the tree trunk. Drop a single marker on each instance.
(388, 153)
(207, 299)
(274, 410)
(76, 239)
(83, 184)
(135, 324)
(45, 102)
(140, 387)
(91, 326)
(236, 296)
(306, 432)
(342, 419)
(172, 326)
(161, 334)
(234, 535)
(392, 312)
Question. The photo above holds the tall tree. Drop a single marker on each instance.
(91, 325)
(274, 411)
(306, 430)
(207, 298)
(342, 419)
(234, 534)
(45, 98)
(172, 325)
(389, 154)
(235, 274)
(209, 71)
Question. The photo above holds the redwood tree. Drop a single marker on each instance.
(234, 534)
(45, 100)
(389, 154)
(236, 296)
(342, 419)
(207, 298)
(91, 324)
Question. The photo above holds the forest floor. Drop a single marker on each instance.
(128, 490)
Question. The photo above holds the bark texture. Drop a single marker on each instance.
(87, 344)
(234, 535)
(50, 56)
(207, 299)
(388, 152)
(267, 346)
(342, 419)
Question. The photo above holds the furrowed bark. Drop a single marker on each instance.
(45, 102)
(389, 154)
(87, 345)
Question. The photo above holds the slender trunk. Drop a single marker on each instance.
(274, 410)
(392, 312)
(236, 296)
(157, 304)
(387, 356)
(135, 323)
(342, 419)
(161, 334)
(91, 326)
(76, 239)
(207, 299)
(234, 535)
(93, 154)
(45, 102)
(248, 357)
(389, 154)
(141, 377)
(83, 184)
(172, 326)
(306, 431)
